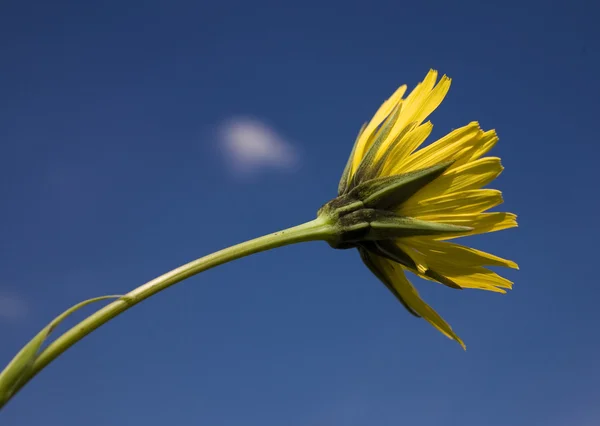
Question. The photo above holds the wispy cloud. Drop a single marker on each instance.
(12, 308)
(250, 145)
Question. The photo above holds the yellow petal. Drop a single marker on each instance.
(481, 279)
(450, 254)
(450, 147)
(404, 146)
(480, 222)
(459, 264)
(473, 175)
(410, 295)
(471, 201)
(424, 99)
(421, 102)
(382, 113)
(485, 143)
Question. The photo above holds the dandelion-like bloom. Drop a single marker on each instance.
(399, 205)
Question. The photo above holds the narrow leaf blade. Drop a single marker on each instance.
(19, 367)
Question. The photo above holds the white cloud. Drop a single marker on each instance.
(12, 308)
(250, 145)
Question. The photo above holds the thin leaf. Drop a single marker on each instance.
(21, 364)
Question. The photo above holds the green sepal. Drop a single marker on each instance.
(387, 226)
(19, 367)
(356, 224)
(390, 192)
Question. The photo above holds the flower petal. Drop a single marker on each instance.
(403, 146)
(367, 169)
(419, 104)
(450, 147)
(482, 279)
(382, 113)
(347, 173)
(473, 175)
(409, 294)
(480, 222)
(368, 259)
(461, 267)
(485, 143)
(424, 99)
(450, 254)
(471, 201)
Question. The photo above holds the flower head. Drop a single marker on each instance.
(400, 205)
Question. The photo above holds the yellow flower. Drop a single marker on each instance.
(399, 205)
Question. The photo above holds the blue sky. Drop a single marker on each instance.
(116, 165)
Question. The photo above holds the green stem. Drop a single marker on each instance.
(318, 229)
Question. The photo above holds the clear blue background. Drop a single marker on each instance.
(109, 177)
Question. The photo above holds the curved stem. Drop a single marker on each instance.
(318, 229)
